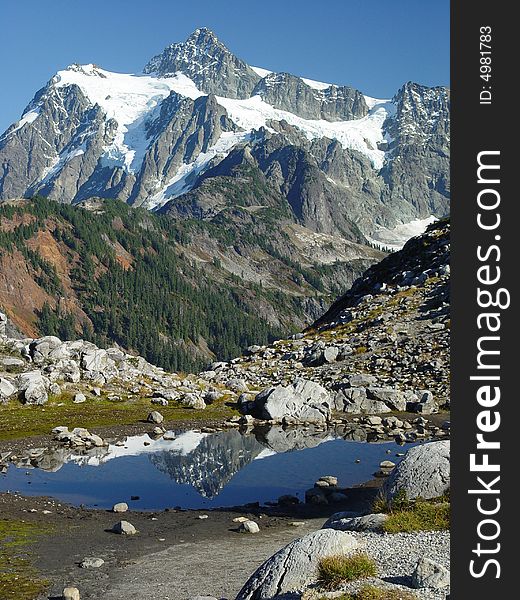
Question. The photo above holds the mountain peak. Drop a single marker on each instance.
(208, 63)
(203, 36)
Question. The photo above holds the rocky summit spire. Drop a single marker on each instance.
(206, 61)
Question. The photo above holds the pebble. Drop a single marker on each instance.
(91, 563)
(70, 593)
(248, 527)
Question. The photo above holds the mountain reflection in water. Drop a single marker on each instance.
(192, 469)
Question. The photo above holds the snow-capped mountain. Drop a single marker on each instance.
(200, 130)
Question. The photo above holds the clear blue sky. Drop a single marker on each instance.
(373, 45)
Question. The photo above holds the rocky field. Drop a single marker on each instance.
(375, 366)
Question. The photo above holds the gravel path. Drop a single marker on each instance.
(397, 554)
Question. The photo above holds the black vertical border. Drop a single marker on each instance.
(479, 127)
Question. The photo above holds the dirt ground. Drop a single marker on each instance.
(174, 556)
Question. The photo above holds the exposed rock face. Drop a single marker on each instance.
(423, 473)
(290, 93)
(420, 147)
(294, 566)
(303, 400)
(205, 60)
(72, 145)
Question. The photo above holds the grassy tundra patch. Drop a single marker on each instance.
(336, 570)
(19, 421)
(414, 515)
(19, 580)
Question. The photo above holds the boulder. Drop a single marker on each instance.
(355, 400)
(155, 417)
(303, 400)
(248, 527)
(393, 399)
(7, 389)
(430, 574)
(361, 380)
(124, 528)
(3, 324)
(295, 565)
(192, 400)
(33, 387)
(120, 507)
(40, 350)
(345, 521)
(97, 365)
(423, 473)
(424, 405)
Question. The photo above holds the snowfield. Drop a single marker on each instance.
(396, 238)
(133, 100)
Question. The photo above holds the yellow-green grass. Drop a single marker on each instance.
(19, 580)
(414, 515)
(338, 569)
(372, 592)
(421, 516)
(19, 421)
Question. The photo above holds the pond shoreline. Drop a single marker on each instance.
(72, 534)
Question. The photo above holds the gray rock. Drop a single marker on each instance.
(3, 324)
(361, 380)
(91, 563)
(192, 400)
(295, 565)
(394, 399)
(12, 362)
(249, 527)
(124, 528)
(7, 389)
(330, 354)
(423, 473)
(79, 398)
(33, 386)
(70, 593)
(41, 349)
(120, 507)
(430, 574)
(155, 417)
(290, 93)
(303, 400)
(372, 522)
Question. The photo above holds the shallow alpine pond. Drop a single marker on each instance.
(191, 469)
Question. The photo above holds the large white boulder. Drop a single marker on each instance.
(6, 388)
(303, 400)
(423, 473)
(296, 565)
(33, 387)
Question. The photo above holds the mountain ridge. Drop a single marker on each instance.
(91, 133)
